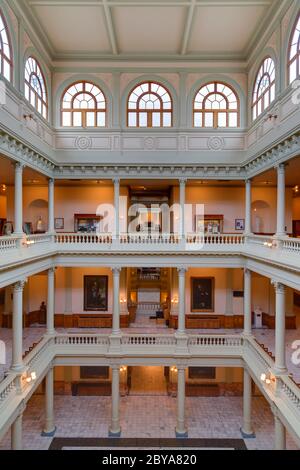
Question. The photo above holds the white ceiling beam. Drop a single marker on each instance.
(188, 27)
(110, 27)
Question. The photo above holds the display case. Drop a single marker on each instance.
(209, 224)
(86, 223)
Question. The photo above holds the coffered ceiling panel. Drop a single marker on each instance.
(149, 29)
(227, 28)
(77, 28)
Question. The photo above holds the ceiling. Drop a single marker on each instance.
(148, 28)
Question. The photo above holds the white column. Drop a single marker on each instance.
(181, 430)
(182, 183)
(117, 206)
(18, 222)
(280, 361)
(280, 434)
(246, 429)
(16, 433)
(116, 301)
(247, 303)
(51, 206)
(49, 429)
(280, 230)
(115, 430)
(17, 346)
(51, 301)
(248, 201)
(181, 300)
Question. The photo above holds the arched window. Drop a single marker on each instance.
(83, 105)
(294, 53)
(6, 63)
(264, 88)
(35, 88)
(216, 105)
(149, 105)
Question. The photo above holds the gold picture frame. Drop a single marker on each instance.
(202, 294)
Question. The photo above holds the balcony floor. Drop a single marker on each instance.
(214, 418)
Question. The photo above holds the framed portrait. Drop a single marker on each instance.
(94, 372)
(202, 294)
(239, 224)
(59, 223)
(28, 228)
(202, 373)
(95, 293)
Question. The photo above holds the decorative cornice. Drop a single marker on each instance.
(277, 155)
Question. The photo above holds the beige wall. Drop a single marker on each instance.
(3, 200)
(296, 208)
(227, 201)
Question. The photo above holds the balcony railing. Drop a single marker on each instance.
(15, 390)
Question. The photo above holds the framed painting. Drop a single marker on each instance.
(94, 372)
(202, 372)
(202, 294)
(239, 224)
(95, 293)
(59, 223)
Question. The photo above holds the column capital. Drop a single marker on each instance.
(278, 286)
(247, 271)
(19, 285)
(51, 270)
(51, 180)
(19, 166)
(182, 270)
(280, 167)
(182, 181)
(248, 181)
(116, 180)
(116, 270)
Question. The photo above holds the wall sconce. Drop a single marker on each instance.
(271, 117)
(123, 369)
(268, 244)
(122, 301)
(28, 117)
(173, 369)
(174, 300)
(267, 379)
(31, 377)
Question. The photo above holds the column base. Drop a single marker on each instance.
(114, 434)
(48, 433)
(181, 434)
(246, 435)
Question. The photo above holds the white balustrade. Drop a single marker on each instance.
(290, 390)
(148, 340)
(8, 243)
(80, 339)
(83, 238)
(215, 340)
(37, 238)
(215, 239)
(291, 244)
(7, 387)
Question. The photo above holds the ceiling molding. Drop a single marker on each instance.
(188, 27)
(110, 27)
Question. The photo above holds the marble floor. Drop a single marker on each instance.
(146, 417)
(265, 336)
